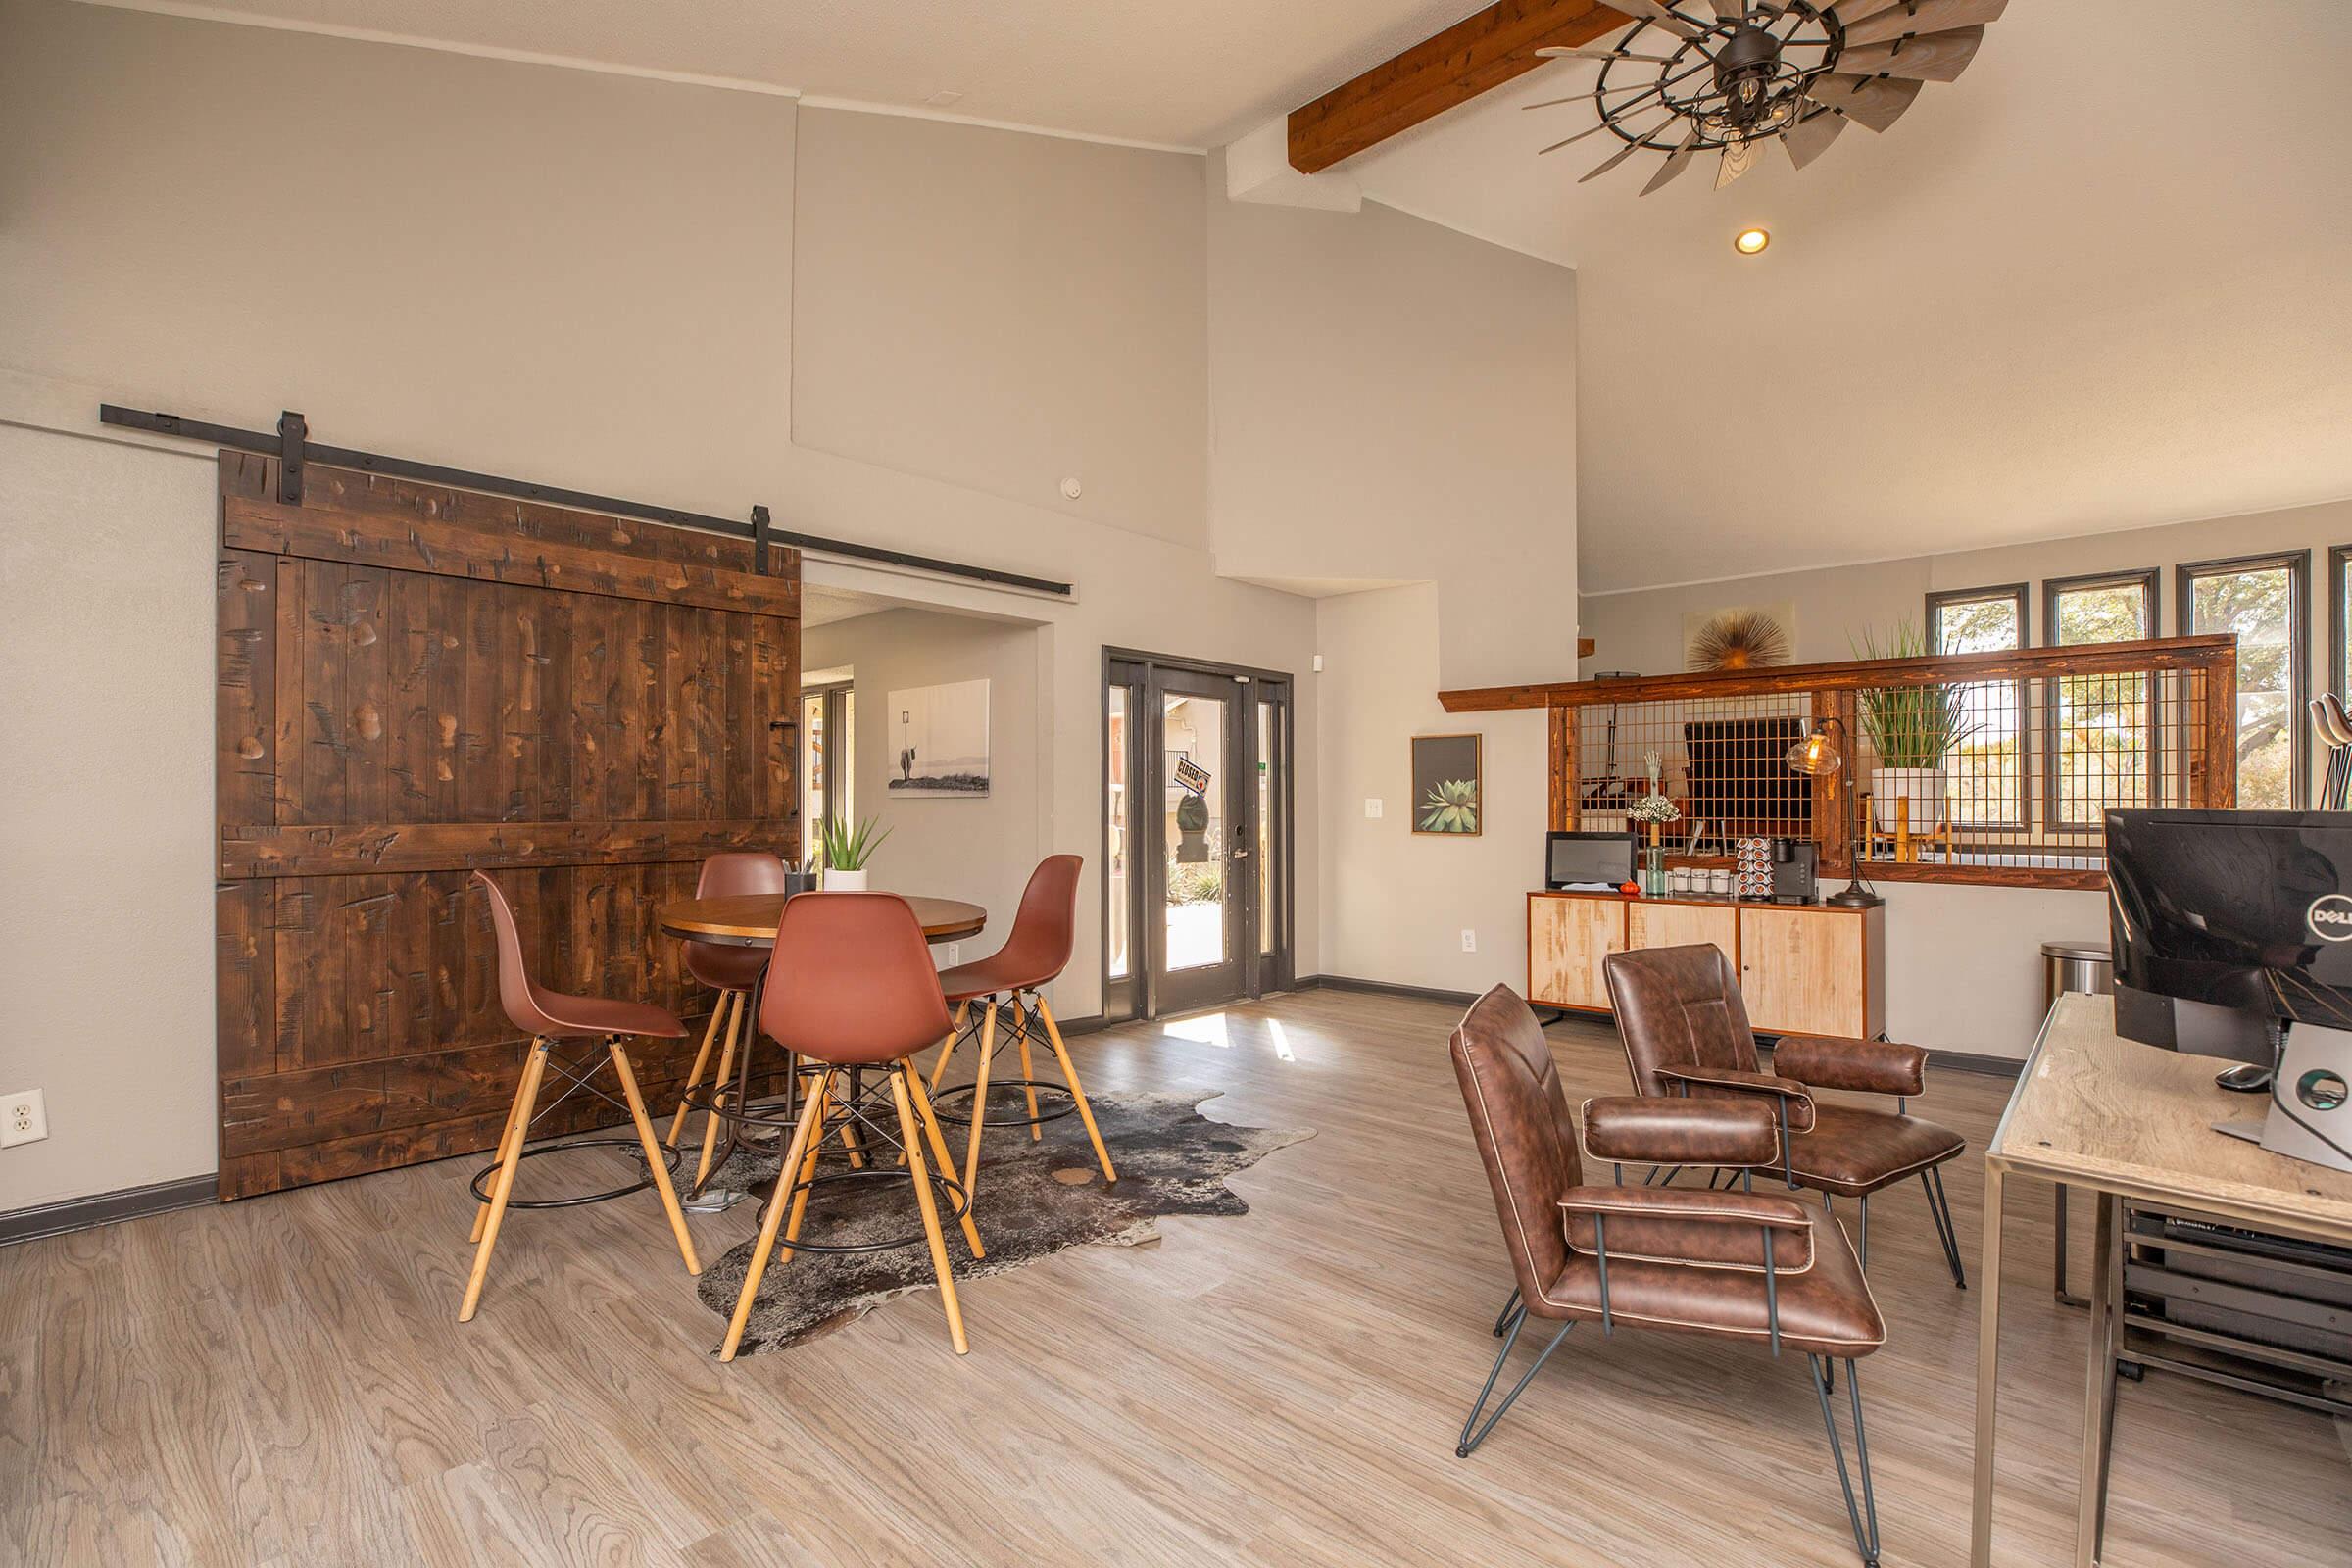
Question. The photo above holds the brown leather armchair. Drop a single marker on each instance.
(1686, 1034)
(1740, 1266)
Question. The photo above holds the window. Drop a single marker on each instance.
(2265, 601)
(2100, 730)
(828, 757)
(2339, 620)
(1986, 764)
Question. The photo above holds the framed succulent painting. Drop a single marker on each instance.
(1448, 794)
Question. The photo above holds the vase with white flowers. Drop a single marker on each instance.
(1653, 812)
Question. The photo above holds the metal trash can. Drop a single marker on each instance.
(2086, 966)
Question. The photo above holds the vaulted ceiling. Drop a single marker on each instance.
(2099, 282)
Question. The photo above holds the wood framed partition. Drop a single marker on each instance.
(416, 682)
(2155, 723)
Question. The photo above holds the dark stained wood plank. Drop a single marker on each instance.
(246, 970)
(245, 719)
(326, 534)
(291, 719)
(1475, 55)
(349, 847)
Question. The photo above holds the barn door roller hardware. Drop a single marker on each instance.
(292, 446)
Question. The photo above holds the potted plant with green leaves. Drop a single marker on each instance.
(1913, 731)
(1192, 829)
(845, 848)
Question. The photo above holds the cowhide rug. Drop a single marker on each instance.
(1037, 1197)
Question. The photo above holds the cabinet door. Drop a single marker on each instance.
(1567, 938)
(1802, 971)
(1682, 925)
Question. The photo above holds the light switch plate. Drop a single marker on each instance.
(1371, 806)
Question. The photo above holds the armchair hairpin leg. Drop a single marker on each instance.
(1939, 1208)
(1474, 1434)
(1510, 1309)
(1865, 1519)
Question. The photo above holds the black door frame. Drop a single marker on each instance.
(1138, 992)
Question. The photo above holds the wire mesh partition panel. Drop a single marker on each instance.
(1995, 766)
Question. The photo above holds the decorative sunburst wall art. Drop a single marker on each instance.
(1727, 76)
(1738, 637)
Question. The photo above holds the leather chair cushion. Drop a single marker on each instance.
(1702, 1083)
(1864, 1066)
(1852, 1152)
(1674, 1131)
(1827, 1310)
(1705, 1230)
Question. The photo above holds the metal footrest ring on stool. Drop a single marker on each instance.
(961, 1093)
(489, 1173)
(946, 1191)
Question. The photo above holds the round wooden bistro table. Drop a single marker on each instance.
(749, 920)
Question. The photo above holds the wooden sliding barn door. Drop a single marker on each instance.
(418, 682)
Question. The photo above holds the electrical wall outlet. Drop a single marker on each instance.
(23, 1119)
(1371, 806)
(955, 955)
(1469, 940)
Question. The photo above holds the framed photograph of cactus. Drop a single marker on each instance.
(1448, 793)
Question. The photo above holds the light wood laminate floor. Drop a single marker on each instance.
(282, 1381)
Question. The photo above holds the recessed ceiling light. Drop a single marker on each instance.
(1750, 241)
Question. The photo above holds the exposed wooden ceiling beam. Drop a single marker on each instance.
(1471, 56)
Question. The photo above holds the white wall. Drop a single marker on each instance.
(1964, 970)
(1395, 904)
(980, 849)
(106, 813)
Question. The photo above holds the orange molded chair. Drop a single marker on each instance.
(549, 1016)
(863, 995)
(1037, 952)
(732, 972)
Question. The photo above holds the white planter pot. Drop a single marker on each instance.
(1922, 787)
(845, 881)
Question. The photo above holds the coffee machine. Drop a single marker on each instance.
(1795, 872)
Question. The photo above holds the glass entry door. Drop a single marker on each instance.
(1197, 834)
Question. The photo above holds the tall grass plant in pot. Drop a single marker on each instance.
(845, 848)
(1913, 730)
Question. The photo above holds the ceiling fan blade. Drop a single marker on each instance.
(1612, 161)
(1930, 56)
(1732, 10)
(1907, 16)
(1875, 104)
(1594, 51)
(1589, 130)
(1737, 159)
(1662, 15)
(1676, 161)
(1811, 137)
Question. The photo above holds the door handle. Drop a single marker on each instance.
(1238, 855)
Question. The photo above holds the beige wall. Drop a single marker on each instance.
(1963, 963)
(1391, 400)
(1394, 903)
(982, 849)
(106, 813)
(1004, 311)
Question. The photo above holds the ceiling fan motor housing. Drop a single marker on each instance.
(1743, 70)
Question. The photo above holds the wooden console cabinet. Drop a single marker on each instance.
(1804, 968)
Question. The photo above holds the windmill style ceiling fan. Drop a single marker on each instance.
(1694, 76)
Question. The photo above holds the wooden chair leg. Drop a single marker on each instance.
(481, 1211)
(930, 1208)
(988, 1049)
(533, 1070)
(718, 1092)
(806, 1171)
(658, 1166)
(694, 1074)
(939, 1068)
(1070, 1075)
(802, 1133)
(938, 1141)
(1037, 1129)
